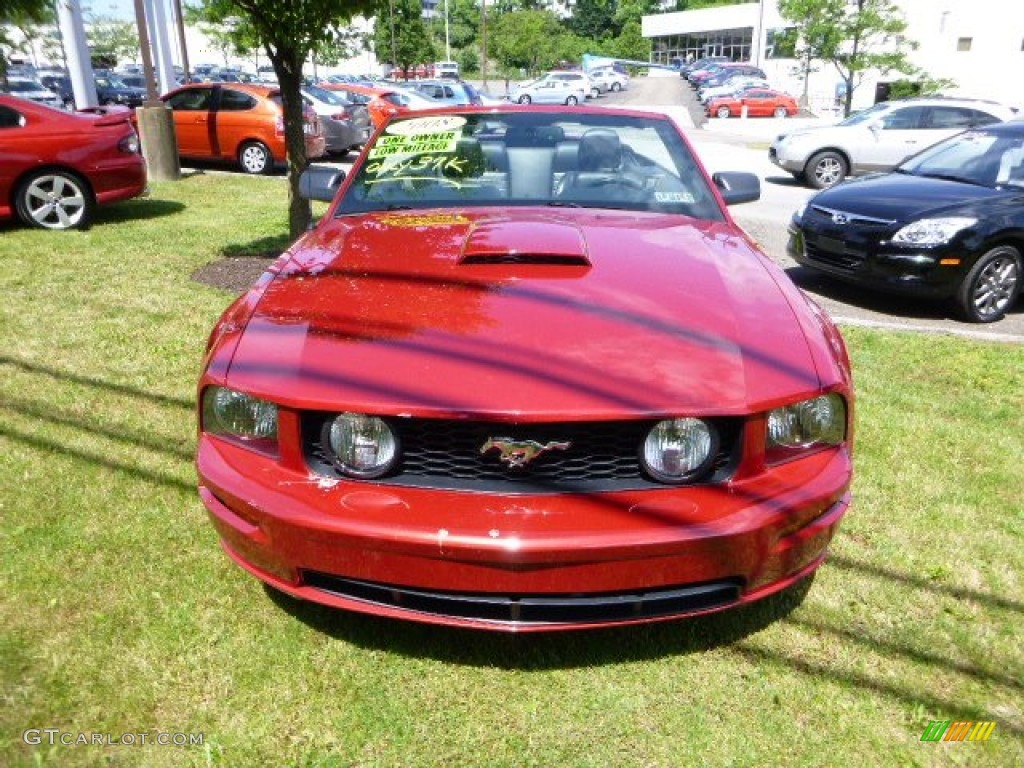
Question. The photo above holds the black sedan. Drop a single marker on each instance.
(947, 224)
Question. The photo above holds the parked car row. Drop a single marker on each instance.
(737, 89)
(569, 86)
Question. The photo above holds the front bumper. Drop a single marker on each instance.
(927, 272)
(523, 562)
(786, 159)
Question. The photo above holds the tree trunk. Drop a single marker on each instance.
(288, 67)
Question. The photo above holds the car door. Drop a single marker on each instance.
(193, 111)
(549, 92)
(892, 138)
(235, 121)
(758, 103)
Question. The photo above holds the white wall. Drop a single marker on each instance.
(992, 69)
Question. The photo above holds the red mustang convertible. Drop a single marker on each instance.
(526, 374)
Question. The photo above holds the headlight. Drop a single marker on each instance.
(798, 214)
(807, 425)
(678, 450)
(932, 231)
(233, 414)
(361, 446)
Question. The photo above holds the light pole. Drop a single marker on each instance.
(483, 41)
(447, 42)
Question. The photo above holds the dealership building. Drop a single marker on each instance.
(977, 44)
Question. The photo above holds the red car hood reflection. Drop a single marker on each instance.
(580, 315)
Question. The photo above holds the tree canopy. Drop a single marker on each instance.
(400, 36)
(290, 34)
(855, 36)
(19, 13)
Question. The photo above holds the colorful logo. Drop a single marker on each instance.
(958, 730)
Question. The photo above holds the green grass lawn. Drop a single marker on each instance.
(120, 614)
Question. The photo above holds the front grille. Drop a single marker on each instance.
(839, 239)
(533, 608)
(446, 453)
(825, 251)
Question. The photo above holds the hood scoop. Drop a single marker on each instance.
(534, 242)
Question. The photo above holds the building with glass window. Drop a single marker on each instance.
(977, 44)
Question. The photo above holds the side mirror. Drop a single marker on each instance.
(317, 183)
(737, 186)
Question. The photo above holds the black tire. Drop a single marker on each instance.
(254, 157)
(55, 200)
(723, 112)
(616, 87)
(525, 99)
(595, 92)
(826, 169)
(572, 101)
(781, 112)
(991, 286)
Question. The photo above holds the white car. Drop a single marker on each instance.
(580, 79)
(553, 91)
(735, 85)
(609, 79)
(879, 138)
(32, 89)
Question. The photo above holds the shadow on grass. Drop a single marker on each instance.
(263, 248)
(177, 455)
(541, 651)
(864, 298)
(139, 209)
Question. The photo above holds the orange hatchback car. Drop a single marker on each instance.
(237, 122)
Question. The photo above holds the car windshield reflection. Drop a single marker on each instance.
(525, 157)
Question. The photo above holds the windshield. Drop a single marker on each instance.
(561, 159)
(862, 117)
(978, 157)
(325, 96)
(24, 86)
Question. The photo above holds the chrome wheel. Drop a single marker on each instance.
(781, 112)
(722, 112)
(992, 285)
(572, 101)
(254, 157)
(826, 169)
(54, 201)
(524, 99)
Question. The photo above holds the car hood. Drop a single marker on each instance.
(902, 197)
(586, 316)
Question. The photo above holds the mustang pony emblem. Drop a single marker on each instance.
(519, 453)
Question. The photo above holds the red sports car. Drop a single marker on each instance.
(526, 374)
(759, 102)
(56, 166)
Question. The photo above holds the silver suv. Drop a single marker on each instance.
(879, 138)
(580, 79)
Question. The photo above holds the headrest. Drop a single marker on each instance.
(533, 135)
(600, 150)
